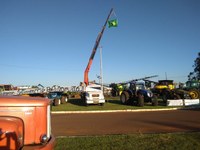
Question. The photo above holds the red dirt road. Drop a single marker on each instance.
(125, 123)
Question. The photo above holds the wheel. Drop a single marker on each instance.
(83, 94)
(177, 96)
(102, 104)
(154, 101)
(140, 100)
(63, 99)
(194, 93)
(56, 102)
(165, 95)
(124, 97)
(86, 104)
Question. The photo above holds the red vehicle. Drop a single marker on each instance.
(87, 69)
(93, 94)
(25, 123)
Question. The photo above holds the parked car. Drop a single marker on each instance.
(57, 98)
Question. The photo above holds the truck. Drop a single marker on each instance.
(25, 123)
(89, 95)
(93, 95)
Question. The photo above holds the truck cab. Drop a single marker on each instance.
(25, 123)
(93, 95)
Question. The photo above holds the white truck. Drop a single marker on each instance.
(94, 95)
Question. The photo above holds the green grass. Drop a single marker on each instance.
(112, 103)
(175, 141)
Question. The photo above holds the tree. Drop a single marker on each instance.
(191, 76)
(195, 75)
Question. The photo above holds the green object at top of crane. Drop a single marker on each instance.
(112, 23)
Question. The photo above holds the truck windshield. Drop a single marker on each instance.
(98, 88)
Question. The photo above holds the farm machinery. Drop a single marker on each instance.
(193, 88)
(117, 89)
(136, 93)
(165, 89)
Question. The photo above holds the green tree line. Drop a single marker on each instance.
(195, 75)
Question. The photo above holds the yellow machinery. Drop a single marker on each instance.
(164, 84)
(166, 90)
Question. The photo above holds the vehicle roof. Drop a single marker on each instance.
(23, 101)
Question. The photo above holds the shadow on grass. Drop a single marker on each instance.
(161, 103)
(115, 101)
(118, 102)
(78, 102)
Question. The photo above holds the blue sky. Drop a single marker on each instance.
(50, 41)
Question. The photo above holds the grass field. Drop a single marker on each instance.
(112, 103)
(175, 141)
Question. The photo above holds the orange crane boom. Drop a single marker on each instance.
(87, 69)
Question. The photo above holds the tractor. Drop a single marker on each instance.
(193, 88)
(165, 89)
(136, 94)
(116, 89)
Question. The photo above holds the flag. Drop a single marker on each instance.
(112, 23)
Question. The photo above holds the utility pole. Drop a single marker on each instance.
(101, 68)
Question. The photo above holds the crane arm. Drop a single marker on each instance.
(87, 69)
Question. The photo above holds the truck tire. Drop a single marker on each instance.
(140, 100)
(165, 95)
(102, 104)
(83, 96)
(176, 96)
(63, 99)
(154, 101)
(56, 102)
(164, 98)
(124, 97)
(194, 94)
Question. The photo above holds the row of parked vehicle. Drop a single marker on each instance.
(137, 93)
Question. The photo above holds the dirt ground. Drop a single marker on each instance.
(125, 123)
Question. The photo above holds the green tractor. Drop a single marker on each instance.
(193, 88)
(116, 89)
